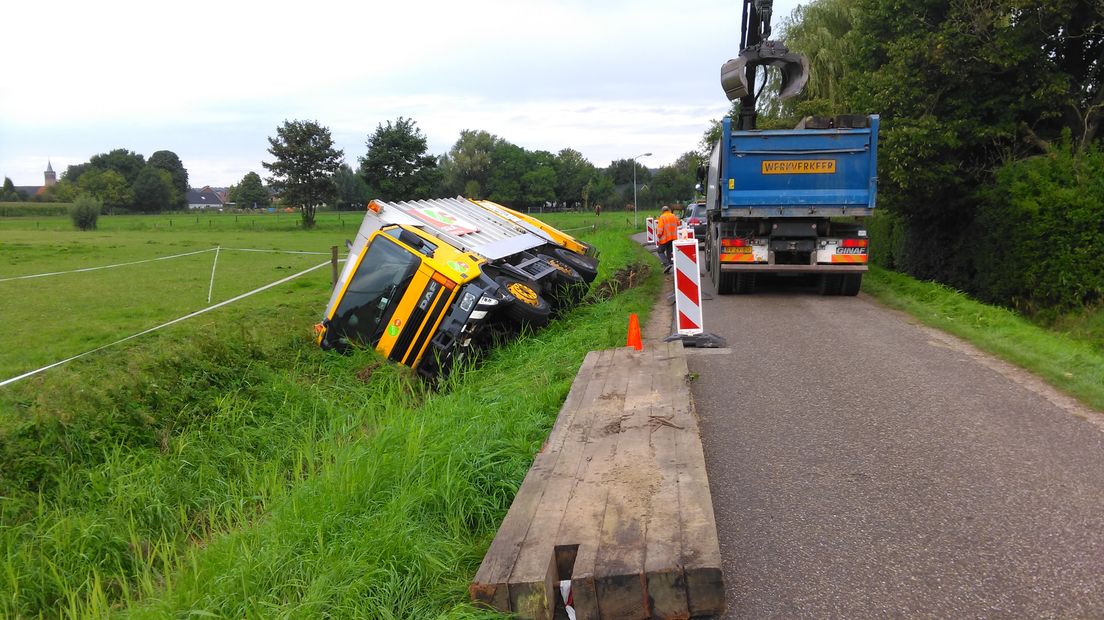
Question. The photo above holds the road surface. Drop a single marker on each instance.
(862, 465)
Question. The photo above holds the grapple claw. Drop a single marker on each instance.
(794, 68)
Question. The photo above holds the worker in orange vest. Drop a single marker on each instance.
(666, 232)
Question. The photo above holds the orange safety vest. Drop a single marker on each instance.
(668, 227)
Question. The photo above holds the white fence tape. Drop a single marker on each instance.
(151, 260)
(137, 262)
(163, 325)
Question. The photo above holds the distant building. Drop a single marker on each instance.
(206, 198)
(36, 190)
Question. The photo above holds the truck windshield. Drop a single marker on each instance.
(374, 291)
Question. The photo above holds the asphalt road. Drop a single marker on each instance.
(862, 466)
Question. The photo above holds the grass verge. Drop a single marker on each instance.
(1071, 365)
(230, 469)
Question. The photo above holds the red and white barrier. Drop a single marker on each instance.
(685, 232)
(650, 230)
(688, 299)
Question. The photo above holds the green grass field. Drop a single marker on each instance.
(227, 467)
(58, 316)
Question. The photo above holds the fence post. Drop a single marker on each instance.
(333, 265)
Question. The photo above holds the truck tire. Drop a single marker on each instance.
(830, 284)
(745, 283)
(586, 266)
(851, 284)
(525, 307)
(568, 285)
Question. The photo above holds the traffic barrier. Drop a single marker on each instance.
(650, 230)
(688, 297)
(685, 232)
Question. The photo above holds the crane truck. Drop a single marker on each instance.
(787, 201)
(428, 282)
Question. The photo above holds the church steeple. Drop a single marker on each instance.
(51, 176)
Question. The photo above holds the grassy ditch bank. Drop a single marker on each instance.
(1071, 364)
(228, 468)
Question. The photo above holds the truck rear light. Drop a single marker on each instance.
(854, 243)
(733, 243)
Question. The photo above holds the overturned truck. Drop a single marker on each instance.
(429, 282)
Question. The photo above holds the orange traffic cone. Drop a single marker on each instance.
(634, 334)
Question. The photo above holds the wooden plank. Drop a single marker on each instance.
(620, 579)
(531, 583)
(701, 551)
(666, 580)
(490, 584)
(585, 511)
(620, 484)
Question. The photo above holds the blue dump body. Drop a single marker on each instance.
(799, 172)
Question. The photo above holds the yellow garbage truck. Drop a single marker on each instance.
(428, 282)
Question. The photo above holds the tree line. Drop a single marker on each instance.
(991, 172)
(308, 171)
(123, 182)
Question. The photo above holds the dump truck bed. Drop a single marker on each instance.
(799, 172)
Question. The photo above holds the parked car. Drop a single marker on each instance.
(694, 216)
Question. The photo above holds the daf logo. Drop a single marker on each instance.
(428, 295)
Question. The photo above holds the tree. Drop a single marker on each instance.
(818, 30)
(305, 164)
(125, 162)
(509, 163)
(9, 193)
(621, 171)
(352, 191)
(539, 186)
(250, 193)
(154, 191)
(74, 172)
(396, 165)
(169, 162)
(572, 173)
(62, 191)
(467, 166)
(109, 187)
(600, 190)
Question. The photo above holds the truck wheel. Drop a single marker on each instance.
(830, 284)
(526, 306)
(568, 284)
(586, 266)
(745, 283)
(851, 283)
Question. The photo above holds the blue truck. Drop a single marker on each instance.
(786, 201)
(792, 202)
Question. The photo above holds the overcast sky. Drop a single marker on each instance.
(211, 81)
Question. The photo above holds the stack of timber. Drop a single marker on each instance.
(617, 501)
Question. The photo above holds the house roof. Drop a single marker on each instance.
(205, 196)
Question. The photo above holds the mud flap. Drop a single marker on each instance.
(794, 68)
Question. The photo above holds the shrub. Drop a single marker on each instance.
(1041, 233)
(85, 212)
(887, 240)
